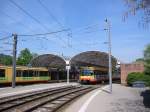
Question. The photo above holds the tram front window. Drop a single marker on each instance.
(87, 72)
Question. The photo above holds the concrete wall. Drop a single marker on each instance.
(128, 68)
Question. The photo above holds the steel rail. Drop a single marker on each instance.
(51, 100)
(23, 95)
(21, 100)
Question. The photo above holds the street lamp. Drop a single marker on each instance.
(109, 55)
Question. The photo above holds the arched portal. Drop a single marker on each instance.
(55, 64)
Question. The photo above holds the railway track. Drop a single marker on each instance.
(43, 101)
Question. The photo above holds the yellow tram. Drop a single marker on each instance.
(96, 74)
(93, 74)
(24, 74)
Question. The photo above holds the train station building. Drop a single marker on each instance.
(57, 65)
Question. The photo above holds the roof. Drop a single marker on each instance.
(48, 60)
(92, 58)
(88, 58)
(25, 68)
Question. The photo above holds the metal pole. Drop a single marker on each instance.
(109, 54)
(14, 60)
(68, 75)
(67, 68)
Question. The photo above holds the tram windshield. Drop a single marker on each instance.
(87, 72)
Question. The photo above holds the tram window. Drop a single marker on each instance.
(43, 73)
(92, 73)
(31, 73)
(2, 73)
(18, 74)
(37, 73)
(87, 72)
(25, 73)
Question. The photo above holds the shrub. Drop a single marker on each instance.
(136, 76)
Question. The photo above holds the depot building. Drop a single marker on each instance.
(57, 64)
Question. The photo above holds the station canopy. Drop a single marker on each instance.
(49, 60)
(88, 58)
(92, 58)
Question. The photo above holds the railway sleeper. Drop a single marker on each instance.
(12, 104)
(56, 104)
(20, 96)
(34, 104)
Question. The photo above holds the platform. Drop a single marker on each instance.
(123, 99)
(9, 91)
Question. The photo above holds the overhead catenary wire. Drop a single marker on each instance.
(52, 16)
(28, 14)
(5, 44)
(84, 28)
(50, 13)
(5, 38)
(41, 34)
(13, 19)
(2, 32)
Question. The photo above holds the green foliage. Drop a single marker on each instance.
(139, 60)
(136, 76)
(147, 59)
(5, 59)
(25, 57)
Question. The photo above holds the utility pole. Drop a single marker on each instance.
(14, 60)
(109, 54)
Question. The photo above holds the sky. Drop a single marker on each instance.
(85, 20)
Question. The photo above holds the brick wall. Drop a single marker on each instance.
(128, 68)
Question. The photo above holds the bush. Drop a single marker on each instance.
(136, 76)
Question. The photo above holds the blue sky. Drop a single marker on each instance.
(85, 18)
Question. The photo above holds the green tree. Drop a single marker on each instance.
(147, 59)
(136, 76)
(25, 57)
(139, 60)
(5, 59)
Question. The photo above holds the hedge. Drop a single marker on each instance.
(136, 76)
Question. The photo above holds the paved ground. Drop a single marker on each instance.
(123, 99)
(8, 91)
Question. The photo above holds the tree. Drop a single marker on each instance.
(25, 57)
(147, 59)
(139, 60)
(142, 6)
(5, 59)
(136, 76)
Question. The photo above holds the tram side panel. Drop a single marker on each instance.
(24, 75)
(5, 75)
